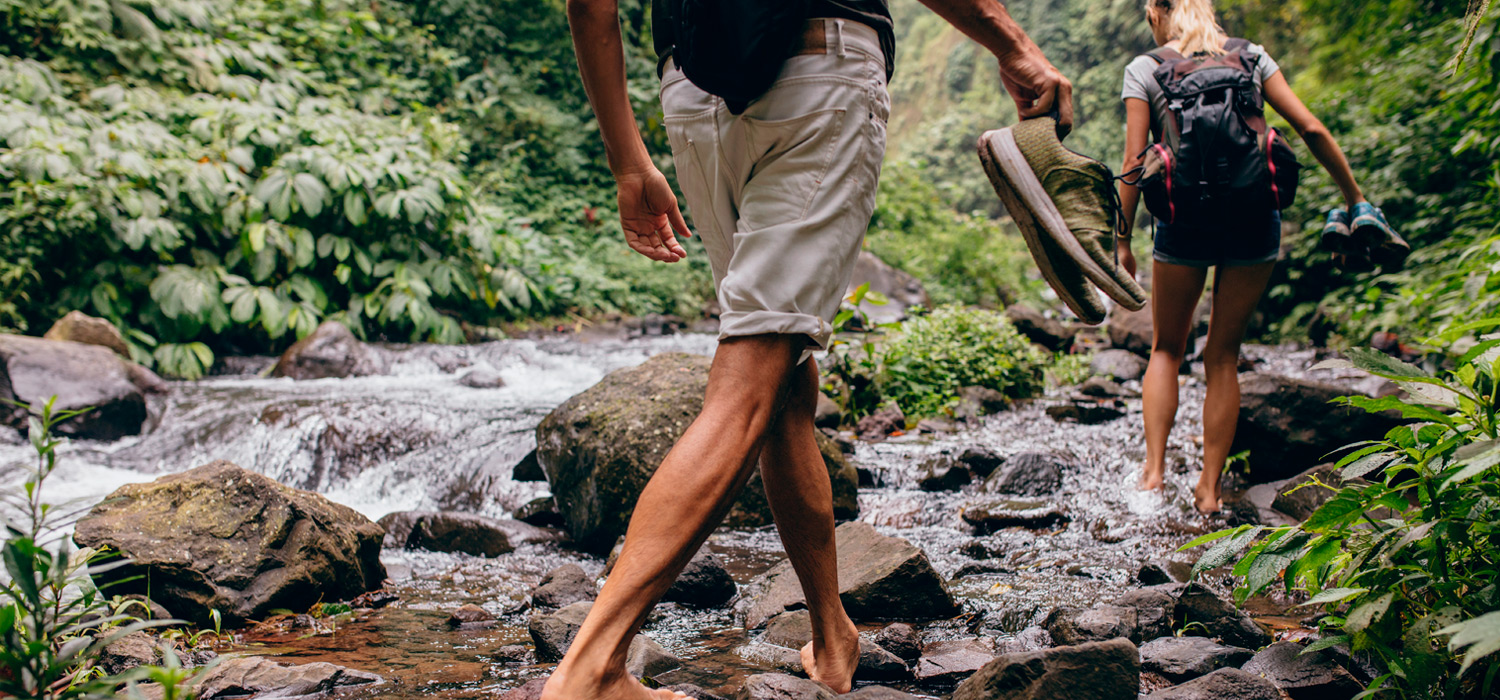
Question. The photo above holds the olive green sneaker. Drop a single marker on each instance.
(1067, 199)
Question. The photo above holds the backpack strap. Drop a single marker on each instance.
(1237, 44)
(1163, 54)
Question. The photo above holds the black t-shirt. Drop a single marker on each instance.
(875, 13)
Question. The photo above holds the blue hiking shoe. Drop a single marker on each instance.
(1370, 230)
(1336, 237)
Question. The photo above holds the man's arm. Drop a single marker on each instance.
(1036, 86)
(648, 208)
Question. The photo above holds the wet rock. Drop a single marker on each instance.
(983, 461)
(1070, 626)
(868, 478)
(564, 586)
(902, 290)
(876, 663)
(482, 379)
(780, 686)
(901, 639)
(132, 650)
(877, 692)
(1131, 330)
(1163, 571)
(952, 661)
(1220, 617)
(772, 656)
(1153, 612)
(79, 327)
(221, 537)
(1298, 497)
(943, 473)
(693, 691)
(842, 440)
(827, 414)
(1119, 365)
(262, 677)
(654, 325)
(528, 469)
(1315, 676)
(445, 532)
(530, 690)
(646, 658)
(1289, 424)
(541, 512)
(992, 516)
(791, 629)
(936, 425)
(1029, 639)
(33, 370)
(552, 633)
(1223, 684)
(1254, 507)
(331, 351)
(975, 402)
(1027, 474)
(881, 424)
(1084, 412)
(600, 448)
(1047, 332)
(374, 600)
(1095, 671)
(1101, 388)
(516, 654)
(704, 583)
(879, 578)
(471, 616)
(1365, 666)
(1184, 658)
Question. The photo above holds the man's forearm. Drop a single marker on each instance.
(595, 25)
(986, 22)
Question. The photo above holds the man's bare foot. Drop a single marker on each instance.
(833, 663)
(1151, 479)
(1207, 500)
(614, 686)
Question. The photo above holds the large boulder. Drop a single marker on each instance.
(903, 290)
(1095, 671)
(33, 370)
(79, 327)
(880, 578)
(1289, 424)
(1315, 676)
(600, 448)
(331, 350)
(218, 537)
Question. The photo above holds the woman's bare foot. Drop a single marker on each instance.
(1151, 479)
(833, 662)
(1207, 499)
(612, 686)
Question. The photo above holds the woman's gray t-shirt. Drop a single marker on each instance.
(1142, 85)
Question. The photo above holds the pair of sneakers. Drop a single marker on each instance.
(1361, 239)
(1068, 211)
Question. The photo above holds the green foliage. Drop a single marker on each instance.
(1403, 555)
(54, 622)
(925, 361)
(1069, 369)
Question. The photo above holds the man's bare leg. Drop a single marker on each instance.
(684, 501)
(801, 498)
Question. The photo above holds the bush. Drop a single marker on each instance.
(1405, 564)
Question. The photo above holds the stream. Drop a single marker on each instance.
(418, 439)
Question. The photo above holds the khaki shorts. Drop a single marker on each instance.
(782, 194)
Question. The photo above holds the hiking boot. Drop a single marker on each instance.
(1068, 200)
(1336, 238)
(1371, 231)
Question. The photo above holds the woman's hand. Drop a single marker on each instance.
(1127, 256)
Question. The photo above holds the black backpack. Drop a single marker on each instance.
(1227, 163)
(735, 48)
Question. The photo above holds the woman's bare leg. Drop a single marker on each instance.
(1174, 297)
(1236, 292)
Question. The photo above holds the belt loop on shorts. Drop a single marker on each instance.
(838, 30)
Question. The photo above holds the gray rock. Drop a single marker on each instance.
(1289, 425)
(693, 691)
(442, 531)
(791, 629)
(881, 424)
(879, 578)
(1101, 388)
(983, 461)
(1131, 330)
(876, 663)
(218, 537)
(1223, 684)
(878, 692)
(944, 473)
(513, 654)
(1070, 626)
(978, 401)
(1119, 365)
(564, 586)
(552, 633)
(1180, 659)
(528, 469)
(780, 686)
(541, 512)
(1095, 671)
(1027, 474)
(704, 583)
(331, 351)
(1220, 617)
(1163, 571)
(1085, 412)
(263, 678)
(132, 650)
(994, 515)
(827, 414)
(482, 379)
(1153, 612)
(530, 690)
(1047, 332)
(951, 661)
(33, 370)
(1029, 639)
(1315, 676)
(471, 616)
(901, 639)
(599, 448)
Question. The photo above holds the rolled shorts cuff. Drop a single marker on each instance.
(743, 323)
(1159, 256)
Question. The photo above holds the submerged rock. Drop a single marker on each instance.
(901, 639)
(471, 616)
(600, 448)
(981, 460)
(218, 537)
(880, 578)
(953, 660)
(1223, 684)
(1095, 671)
(1180, 659)
(991, 516)
(33, 370)
(1315, 676)
(944, 473)
(564, 586)
(552, 633)
(482, 379)
(331, 350)
(1289, 425)
(1027, 474)
(704, 583)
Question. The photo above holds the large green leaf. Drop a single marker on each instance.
(1478, 637)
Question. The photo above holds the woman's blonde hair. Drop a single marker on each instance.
(1192, 22)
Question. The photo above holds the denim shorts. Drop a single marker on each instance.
(1231, 244)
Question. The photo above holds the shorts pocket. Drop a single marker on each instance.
(791, 159)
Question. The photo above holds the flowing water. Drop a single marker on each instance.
(420, 439)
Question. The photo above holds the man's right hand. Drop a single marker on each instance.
(1038, 87)
(650, 216)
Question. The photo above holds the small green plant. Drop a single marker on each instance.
(1404, 557)
(54, 622)
(1069, 369)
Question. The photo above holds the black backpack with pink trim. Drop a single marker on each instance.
(1227, 162)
